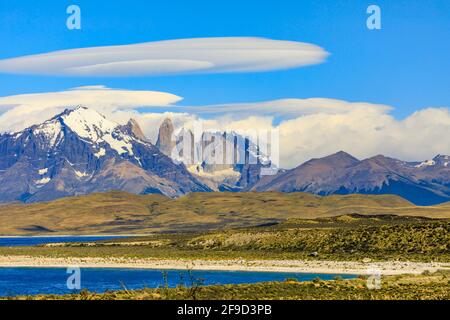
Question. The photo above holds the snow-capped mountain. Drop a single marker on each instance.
(225, 161)
(423, 183)
(436, 162)
(78, 152)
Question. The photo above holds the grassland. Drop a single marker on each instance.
(123, 213)
(344, 238)
(434, 286)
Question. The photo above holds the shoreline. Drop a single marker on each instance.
(77, 236)
(288, 266)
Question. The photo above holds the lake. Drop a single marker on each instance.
(32, 281)
(32, 241)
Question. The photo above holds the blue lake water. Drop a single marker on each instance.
(32, 281)
(32, 241)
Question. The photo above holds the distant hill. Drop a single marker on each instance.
(120, 212)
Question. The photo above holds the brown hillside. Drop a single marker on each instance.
(123, 213)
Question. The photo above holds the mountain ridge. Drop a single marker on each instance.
(80, 152)
(420, 184)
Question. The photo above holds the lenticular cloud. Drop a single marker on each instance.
(184, 56)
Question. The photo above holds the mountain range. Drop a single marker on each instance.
(422, 183)
(80, 152)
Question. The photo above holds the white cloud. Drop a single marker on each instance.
(21, 111)
(309, 128)
(420, 136)
(286, 108)
(201, 55)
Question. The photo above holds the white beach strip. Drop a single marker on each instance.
(295, 266)
(125, 235)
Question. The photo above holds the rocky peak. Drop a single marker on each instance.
(87, 123)
(132, 128)
(89, 126)
(442, 160)
(165, 142)
(436, 162)
(78, 152)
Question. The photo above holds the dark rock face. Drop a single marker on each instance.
(166, 141)
(132, 128)
(425, 183)
(78, 152)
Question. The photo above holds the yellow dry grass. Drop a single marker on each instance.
(123, 213)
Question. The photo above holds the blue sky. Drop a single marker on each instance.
(405, 65)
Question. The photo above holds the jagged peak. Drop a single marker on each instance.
(68, 111)
(81, 110)
(165, 141)
(132, 122)
(439, 160)
(166, 126)
(180, 132)
(89, 125)
(133, 128)
(167, 121)
(441, 157)
(442, 160)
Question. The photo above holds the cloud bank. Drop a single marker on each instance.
(286, 108)
(21, 111)
(183, 56)
(309, 128)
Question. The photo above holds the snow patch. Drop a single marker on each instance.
(51, 131)
(43, 181)
(92, 126)
(218, 175)
(81, 174)
(427, 163)
(100, 153)
(88, 124)
(121, 146)
(43, 171)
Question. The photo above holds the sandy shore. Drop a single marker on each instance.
(324, 267)
(125, 235)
